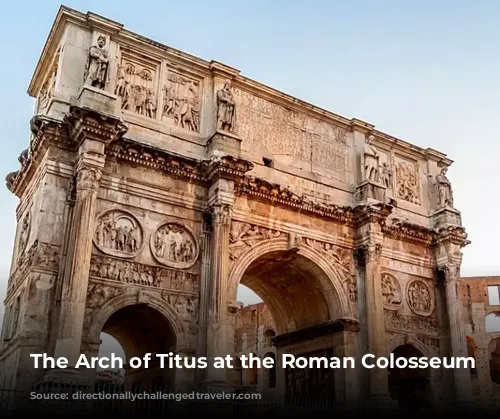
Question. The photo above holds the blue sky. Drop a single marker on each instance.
(425, 71)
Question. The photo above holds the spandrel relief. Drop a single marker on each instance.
(420, 297)
(182, 101)
(407, 181)
(118, 233)
(175, 246)
(136, 86)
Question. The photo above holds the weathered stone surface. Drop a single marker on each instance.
(155, 183)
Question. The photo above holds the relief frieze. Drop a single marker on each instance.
(186, 306)
(414, 324)
(132, 273)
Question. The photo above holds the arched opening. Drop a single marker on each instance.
(410, 387)
(301, 297)
(292, 287)
(492, 322)
(140, 329)
(494, 350)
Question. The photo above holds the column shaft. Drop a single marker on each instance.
(74, 289)
(377, 345)
(462, 378)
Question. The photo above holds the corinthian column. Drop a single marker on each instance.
(217, 328)
(462, 379)
(375, 322)
(75, 281)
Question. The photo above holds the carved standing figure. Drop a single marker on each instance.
(96, 69)
(226, 108)
(445, 193)
(371, 160)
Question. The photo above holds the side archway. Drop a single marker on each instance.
(301, 287)
(101, 315)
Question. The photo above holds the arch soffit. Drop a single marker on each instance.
(336, 279)
(102, 314)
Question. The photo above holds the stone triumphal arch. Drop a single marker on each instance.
(154, 183)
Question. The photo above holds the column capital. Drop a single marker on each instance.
(221, 213)
(451, 272)
(88, 178)
(370, 252)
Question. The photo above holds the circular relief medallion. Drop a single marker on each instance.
(420, 297)
(118, 233)
(175, 246)
(391, 292)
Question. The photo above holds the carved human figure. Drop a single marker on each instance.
(25, 230)
(150, 103)
(419, 298)
(120, 82)
(371, 160)
(96, 69)
(226, 108)
(386, 175)
(445, 192)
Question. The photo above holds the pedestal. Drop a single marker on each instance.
(446, 217)
(97, 100)
(222, 143)
(369, 191)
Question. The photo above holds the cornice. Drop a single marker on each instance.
(148, 156)
(451, 235)
(371, 213)
(409, 232)
(227, 167)
(262, 190)
(45, 132)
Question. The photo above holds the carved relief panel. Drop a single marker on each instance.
(118, 233)
(137, 86)
(407, 180)
(174, 245)
(420, 297)
(182, 100)
(391, 292)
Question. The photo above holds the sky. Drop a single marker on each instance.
(423, 71)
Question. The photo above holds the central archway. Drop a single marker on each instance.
(305, 295)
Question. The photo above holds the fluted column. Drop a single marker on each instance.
(217, 333)
(462, 378)
(375, 322)
(74, 287)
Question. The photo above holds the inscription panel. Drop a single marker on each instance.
(291, 136)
